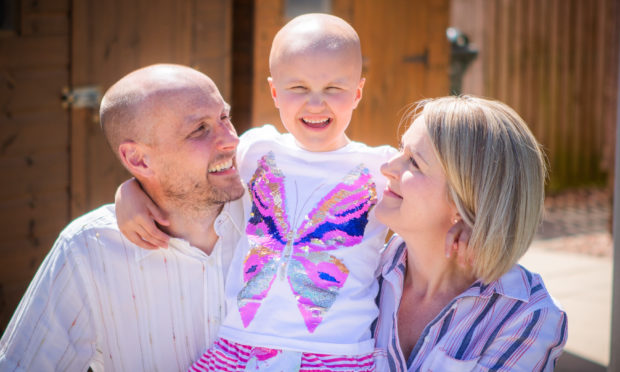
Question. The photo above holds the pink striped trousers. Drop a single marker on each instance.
(225, 355)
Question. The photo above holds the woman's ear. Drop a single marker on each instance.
(135, 159)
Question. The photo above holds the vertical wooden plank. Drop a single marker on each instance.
(554, 68)
(515, 57)
(242, 64)
(611, 91)
(503, 44)
(588, 131)
(599, 83)
(439, 48)
(577, 85)
(529, 56)
(268, 19)
(559, 165)
(79, 70)
(540, 107)
(490, 60)
(211, 41)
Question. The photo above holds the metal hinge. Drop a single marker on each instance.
(88, 96)
(417, 58)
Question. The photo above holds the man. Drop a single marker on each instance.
(100, 301)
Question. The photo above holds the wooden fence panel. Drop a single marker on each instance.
(34, 132)
(555, 62)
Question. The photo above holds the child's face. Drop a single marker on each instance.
(316, 94)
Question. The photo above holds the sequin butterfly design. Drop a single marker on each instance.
(301, 256)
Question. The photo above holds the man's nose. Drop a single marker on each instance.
(227, 136)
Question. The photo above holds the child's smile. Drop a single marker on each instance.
(316, 123)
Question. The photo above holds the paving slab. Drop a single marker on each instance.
(583, 285)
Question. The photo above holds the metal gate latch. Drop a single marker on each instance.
(88, 96)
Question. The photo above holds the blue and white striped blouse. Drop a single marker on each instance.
(511, 324)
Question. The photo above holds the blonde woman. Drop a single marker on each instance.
(472, 160)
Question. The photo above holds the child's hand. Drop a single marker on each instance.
(136, 215)
(457, 242)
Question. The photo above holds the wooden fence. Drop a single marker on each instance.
(555, 62)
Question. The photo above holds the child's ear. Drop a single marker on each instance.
(358, 92)
(135, 159)
(272, 89)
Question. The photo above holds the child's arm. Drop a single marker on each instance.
(136, 215)
(457, 243)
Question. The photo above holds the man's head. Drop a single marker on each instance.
(171, 129)
(316, 83)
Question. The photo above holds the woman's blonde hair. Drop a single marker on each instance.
(495, 171)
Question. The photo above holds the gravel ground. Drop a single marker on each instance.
(577, 221)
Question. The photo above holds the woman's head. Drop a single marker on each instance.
(494, 171)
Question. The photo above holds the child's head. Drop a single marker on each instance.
(316, 83)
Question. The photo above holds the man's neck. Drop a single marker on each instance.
(195, 226)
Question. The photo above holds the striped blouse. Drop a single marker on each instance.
(100, 301)
(511, 324)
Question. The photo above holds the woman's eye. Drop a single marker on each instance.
(413, 162)
(298, 88)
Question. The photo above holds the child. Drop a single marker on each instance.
(300, 290)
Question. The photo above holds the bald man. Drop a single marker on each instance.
(98, 300)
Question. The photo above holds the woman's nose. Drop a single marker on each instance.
(388, 169)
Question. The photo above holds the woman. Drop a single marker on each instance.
(475, 160)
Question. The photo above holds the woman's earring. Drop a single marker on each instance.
(455, 220)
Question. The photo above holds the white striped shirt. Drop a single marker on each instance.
(511, 324)
(98, 300)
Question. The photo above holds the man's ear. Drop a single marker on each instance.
(135, 159)
(272, 89)
(358, 92)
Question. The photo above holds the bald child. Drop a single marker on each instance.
(301, 288)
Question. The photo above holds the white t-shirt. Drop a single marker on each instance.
(305, 279)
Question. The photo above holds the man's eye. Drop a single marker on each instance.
(226, 117)
(198, 131)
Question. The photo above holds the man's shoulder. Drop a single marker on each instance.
(98, 220)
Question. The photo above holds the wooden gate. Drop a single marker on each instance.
(113, 37)
(55, 162)
(405, 53)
